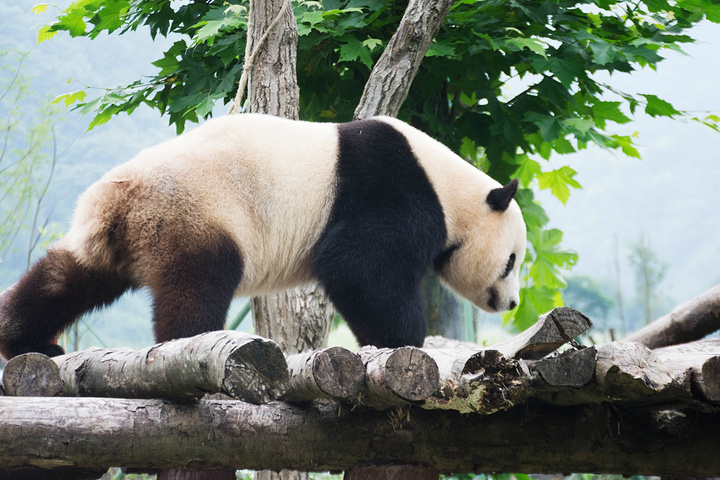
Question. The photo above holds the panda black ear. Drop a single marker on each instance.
(499, 198)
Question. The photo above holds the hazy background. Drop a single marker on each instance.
(671, 196)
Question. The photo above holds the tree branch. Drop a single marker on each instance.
(391, 77)
(688, 321)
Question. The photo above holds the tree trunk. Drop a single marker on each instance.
(212, 434)
(384, 93)
(299, 319)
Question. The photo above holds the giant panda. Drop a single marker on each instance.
(251, 204)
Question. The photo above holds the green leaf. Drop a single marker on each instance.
(550, 126)
(440, 49)
(549, 258)
(527, 170)
(102, 117)
(626, 145)
(112, 16)
(73, 21)
(46, 33)
(371, 43)
(608, 111)
(353, 49)
(563, 146)
(603, 52)
(70, 98)
(657, 107)
(710, 8)
(580, 127)
(39, 8)
(533, 213)
(559, 182)
(468, 150)
(529, 43)
(220, 20)
(168, 64)
(206, 105)
(534, 300)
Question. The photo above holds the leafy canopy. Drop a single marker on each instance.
(508, 84)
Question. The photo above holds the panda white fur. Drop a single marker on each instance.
(251, 204)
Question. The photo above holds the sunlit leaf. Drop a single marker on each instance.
(45, 33)
(559, 182)
(70, 98)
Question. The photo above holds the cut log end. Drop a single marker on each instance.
(339, 372)
(574, 368)
(256, 373)
(32, 375)
(709, 379)
(412, 374)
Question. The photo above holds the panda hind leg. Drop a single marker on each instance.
(51, 296)
(193, 290)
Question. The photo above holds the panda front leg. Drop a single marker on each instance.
(381, 313)
(375, 289)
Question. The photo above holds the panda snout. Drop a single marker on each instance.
(495, 305)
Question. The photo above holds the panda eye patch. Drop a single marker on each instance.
(509, 266)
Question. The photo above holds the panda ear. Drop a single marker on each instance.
(499, 198)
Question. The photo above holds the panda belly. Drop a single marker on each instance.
(273, 196)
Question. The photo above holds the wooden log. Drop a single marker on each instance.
(397, 377)
(32, 375)
(333, 372)
(487, 379)
(689, 321)
(244, 366)
(703, 357)
(631, 372)
(552, 330)
(572, 368)
(486, 384)
(93, 432)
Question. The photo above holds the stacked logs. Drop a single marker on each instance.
(544, 363)
(617, 408)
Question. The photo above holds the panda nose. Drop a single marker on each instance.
(512, 305)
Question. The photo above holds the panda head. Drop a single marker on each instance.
(484, 259)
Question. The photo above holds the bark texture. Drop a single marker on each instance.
(272, 77)
(228, 434)
(391, 77)
(243, 366)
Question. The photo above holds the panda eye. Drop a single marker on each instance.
(509, 266)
